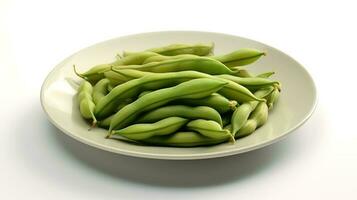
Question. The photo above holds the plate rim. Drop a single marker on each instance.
(163, 156)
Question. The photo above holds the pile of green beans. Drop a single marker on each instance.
(179, 95)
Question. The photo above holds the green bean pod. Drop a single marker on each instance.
(232, 90)
(200, 64)
(266, 74)
(100, 89)
(96, 73)
(199, 112)
(258, 117)
(115, 78)
(241, 114)
(208, 128)
(86, 104)
(252, 83)
(177, 49)
(160, 58)
(272, 98)
(242, 73)
(121, 76)
(238, 92)
(184, 139)
(240, 57)
(215, 101)
(195, 89)
(143, 131)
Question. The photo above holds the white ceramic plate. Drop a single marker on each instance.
(295, 106)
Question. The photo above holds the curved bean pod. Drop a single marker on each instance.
(272, 98)
(160, 58)
(240, 57)
(266, 74)
(215, 101)
(232, 90)
(143, 131)
(197, 88)
(199, 112)
(100, 89)
(241, 114)
(86, 104)
(185, 139)
(200, 64)
(177, 49)
(115, 78)
(94, 74)
(242, 73)
(208, 128)
(249, 82)
(258, 117)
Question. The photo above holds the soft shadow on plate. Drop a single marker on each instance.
(48, 141)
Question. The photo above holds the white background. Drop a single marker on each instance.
(318, 161)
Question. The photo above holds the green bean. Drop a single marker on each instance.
(195, 89)
(143, 131)
(208, 128)
(160, 58)
(96, 73)
(177, 49)
(241, 114)
(86, 104)
(199, 112)
(272, 98)
(237, 92)
(200, 64)
(258, 117)
(242, 73)
(124, 75)
(249, 82)
(215, 101)
(184, 139)
(100, 89)
(232, 90)
(266, 74)
(237, 58)
(240, 57)
(115, 78)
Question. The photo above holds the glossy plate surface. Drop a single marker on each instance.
(295, 106)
